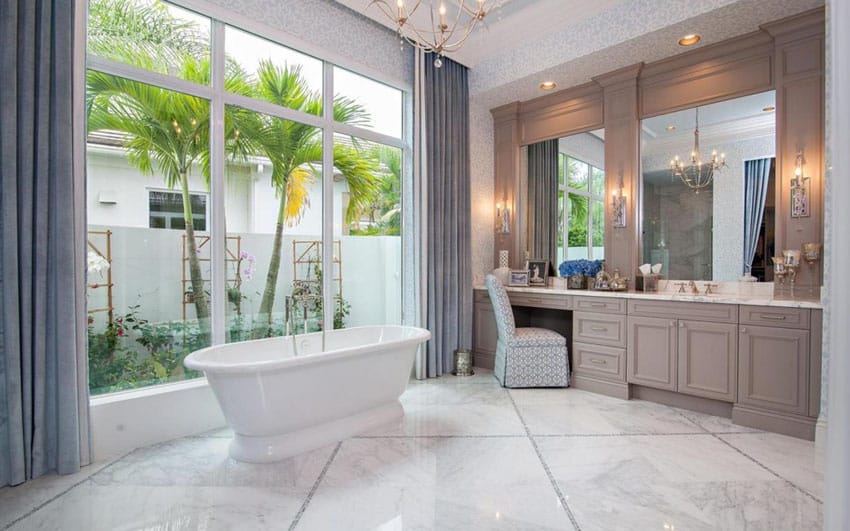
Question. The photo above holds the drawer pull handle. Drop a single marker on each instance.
(672, 323)
(744, 330)
(599, 362)
(773, 316)
(531, 299)
(599, 328)
(598, 304)
(681, 324)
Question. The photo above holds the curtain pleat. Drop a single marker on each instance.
(543, 200)
(756, 178)
(40, 420)
(448, 226)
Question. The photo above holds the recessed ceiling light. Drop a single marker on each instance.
(689, 40)
(769, 108)
(671, 128)
(548, 85)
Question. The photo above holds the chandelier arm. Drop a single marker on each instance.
(457, 44)
(436, 39)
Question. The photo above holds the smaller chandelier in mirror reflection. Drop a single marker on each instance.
(699, 173)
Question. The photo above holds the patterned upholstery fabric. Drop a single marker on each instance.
(526, 357)
(501, 307)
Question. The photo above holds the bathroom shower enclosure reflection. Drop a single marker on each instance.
(723, 230)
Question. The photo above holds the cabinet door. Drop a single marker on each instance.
(652, 352)
(774, 368)
(708, 359)
(484, 332)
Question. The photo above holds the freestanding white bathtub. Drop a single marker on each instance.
(281, 405)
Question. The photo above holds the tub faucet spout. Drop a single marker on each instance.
(289, 328)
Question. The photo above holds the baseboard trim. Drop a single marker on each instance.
(603, 387)
(820, 432)
(699, 404)
(485, 360)
(784, 423)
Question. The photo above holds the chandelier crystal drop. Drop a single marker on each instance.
(699, 173)
(443, 33)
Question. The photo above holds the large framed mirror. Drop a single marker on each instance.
(708, 190)
(566, 197)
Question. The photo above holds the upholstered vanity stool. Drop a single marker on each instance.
(526, 357)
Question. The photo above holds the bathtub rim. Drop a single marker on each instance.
(191, 361)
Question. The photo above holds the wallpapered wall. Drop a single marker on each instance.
(330, 26)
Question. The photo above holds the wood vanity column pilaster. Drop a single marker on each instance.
(622, 161)
(507, 174)
(799, 82)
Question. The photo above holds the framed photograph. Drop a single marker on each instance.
(519, 277)
(538, 272)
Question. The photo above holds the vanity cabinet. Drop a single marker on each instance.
(484, 331)
(759, 364)
(774, 368)
(678, 353)
(599, 345)
(652, 359)
(708, 359)
(775, 359)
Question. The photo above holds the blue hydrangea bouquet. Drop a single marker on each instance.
(578, 271)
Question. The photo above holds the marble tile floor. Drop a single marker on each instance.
(467, 455)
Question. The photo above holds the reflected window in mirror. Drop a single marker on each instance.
(718, 228)
(581, 196)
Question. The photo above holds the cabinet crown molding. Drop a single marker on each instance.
(807, 24)
(625, 75)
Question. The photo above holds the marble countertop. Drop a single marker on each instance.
(734, 293)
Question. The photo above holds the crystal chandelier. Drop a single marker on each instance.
(441, 35)
(699, 173)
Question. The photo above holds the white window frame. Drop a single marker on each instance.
(591, 197)
(219, 99)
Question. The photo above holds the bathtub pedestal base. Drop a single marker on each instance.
(272, 448)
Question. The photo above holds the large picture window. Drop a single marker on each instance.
(220, 134)
(581, 209)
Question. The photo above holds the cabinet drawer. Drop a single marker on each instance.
(540, 300)
(694, 311)
(606, 362)
(776, 316)
(599, 304)
(599, 329)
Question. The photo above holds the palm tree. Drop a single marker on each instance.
(294, 150)
(163, 131)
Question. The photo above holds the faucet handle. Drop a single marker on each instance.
(681, 287)
(708, 287)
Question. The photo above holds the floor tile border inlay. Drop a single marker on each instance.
(315, 487)
(71, 487)
(753, 459)
(549, 474)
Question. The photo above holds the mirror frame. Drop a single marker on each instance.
(786, 56)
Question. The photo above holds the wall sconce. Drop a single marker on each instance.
(618, 206)
(799, 190)
(503, 217)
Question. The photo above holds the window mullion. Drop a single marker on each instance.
(218, 228)
(327, 196)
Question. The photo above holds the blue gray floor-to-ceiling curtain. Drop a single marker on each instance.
(41, 418)
(447, 222)
(756, 179)
(543, 200)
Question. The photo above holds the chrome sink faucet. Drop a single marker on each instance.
(693, 286)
